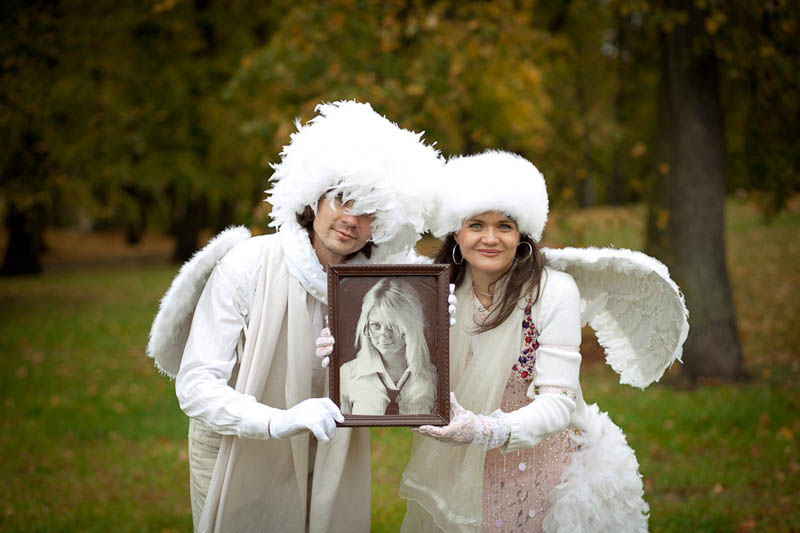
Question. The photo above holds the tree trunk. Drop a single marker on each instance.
(187, 227)
(25, 245)
(686, 220)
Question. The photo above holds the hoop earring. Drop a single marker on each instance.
(454, 255)
(530, 252)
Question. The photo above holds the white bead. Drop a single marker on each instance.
(523, 467)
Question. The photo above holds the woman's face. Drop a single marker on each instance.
(488, 242)
(384, 333)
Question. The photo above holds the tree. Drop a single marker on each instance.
(685, 226)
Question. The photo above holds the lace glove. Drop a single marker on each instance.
(325, 343)
(452, 301)
(317, 415)
(487, 431)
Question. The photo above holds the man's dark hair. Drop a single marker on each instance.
(306, 221)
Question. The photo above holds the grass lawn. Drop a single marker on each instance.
(93, 440)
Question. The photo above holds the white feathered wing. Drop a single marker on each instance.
(171, 326)
(636, 310)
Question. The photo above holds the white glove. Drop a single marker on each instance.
(452, 301)
(317, 415)
(325, 343)
(487, 431)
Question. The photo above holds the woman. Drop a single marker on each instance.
(513, 464)
(392, 372)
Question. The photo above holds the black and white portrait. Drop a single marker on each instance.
(392, 372)
(390, 365)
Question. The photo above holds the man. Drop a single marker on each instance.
(262, 450)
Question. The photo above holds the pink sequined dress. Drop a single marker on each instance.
(516, 484)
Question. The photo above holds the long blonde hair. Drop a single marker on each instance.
(398, 299)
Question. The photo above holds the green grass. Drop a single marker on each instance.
(93, 440)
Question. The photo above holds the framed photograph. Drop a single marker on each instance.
(390, 362)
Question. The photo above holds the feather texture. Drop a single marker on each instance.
(171, 326)
(636, 310)
(601, 488)
(380, 167)
(490, 181)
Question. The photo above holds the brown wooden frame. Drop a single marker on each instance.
(341, 304)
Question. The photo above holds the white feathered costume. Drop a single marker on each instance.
(641, 321)
(236, 330)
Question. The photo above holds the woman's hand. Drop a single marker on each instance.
(325, 343)
(487, 431)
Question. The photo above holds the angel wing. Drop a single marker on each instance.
(171, 326)
(636, 310)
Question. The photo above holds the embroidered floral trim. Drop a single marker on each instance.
(525, 365)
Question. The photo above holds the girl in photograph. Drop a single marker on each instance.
(392, 372)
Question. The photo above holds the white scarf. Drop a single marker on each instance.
(479, 368)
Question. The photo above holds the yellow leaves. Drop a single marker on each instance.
(415, 89)
(766, 51)
(247, 61)
(638, 149)
(530, 74)
(678, 18)
(431, 21)
(714, 21)
(663, 168)
(786, 433)
(164, 5)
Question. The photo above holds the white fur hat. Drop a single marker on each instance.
(490, 181)
(351, 149)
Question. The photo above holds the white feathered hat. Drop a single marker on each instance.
(490, 181)
(350, 149)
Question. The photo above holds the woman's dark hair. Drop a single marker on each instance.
(524, 275)
(306, 221)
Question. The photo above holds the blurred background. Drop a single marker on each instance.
(133, 131)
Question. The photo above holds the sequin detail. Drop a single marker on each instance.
(526, 362)
(517, 495)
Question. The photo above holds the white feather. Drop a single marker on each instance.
(381, 167)
(490, 181)
(601, 488)
(171, 326)
(636, 310)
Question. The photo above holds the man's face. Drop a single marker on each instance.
(337, 232)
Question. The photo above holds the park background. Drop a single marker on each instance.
(133, 131)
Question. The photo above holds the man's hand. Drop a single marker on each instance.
(325, 346)
(317, 415)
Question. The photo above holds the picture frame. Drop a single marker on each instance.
(390, 364)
